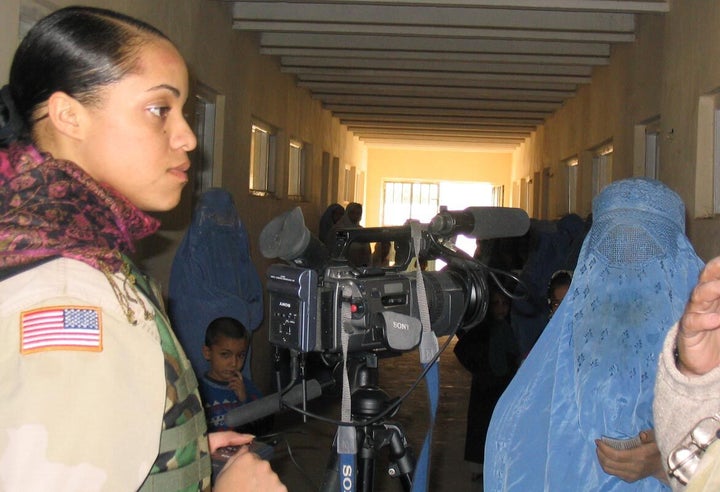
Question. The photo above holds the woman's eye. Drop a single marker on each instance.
(159, 111)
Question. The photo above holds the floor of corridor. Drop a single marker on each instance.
(302, 454)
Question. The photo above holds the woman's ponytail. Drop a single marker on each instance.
(11, 123)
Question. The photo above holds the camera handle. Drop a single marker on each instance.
(368, 402)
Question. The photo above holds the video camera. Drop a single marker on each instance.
(361, 282)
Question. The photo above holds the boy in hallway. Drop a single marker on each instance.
(224, 387)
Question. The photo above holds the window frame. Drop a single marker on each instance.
(263, 161)
(409, 189)
(602, 162)
(573, 172)
(297, 169)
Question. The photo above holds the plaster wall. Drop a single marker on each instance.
(691, 69)
(621, 94)
(673, 62)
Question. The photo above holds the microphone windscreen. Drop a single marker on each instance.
(286, 236)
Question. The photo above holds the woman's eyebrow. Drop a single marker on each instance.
(168, 87)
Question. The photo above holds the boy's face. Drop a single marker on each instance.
(226, 357)
(558, 294)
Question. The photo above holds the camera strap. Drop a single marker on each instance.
(428, 349)
(346, 434)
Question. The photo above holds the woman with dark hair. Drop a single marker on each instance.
(329, 218)
(358, 253)
(97, 393)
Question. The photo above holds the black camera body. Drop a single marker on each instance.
(347, 289)
(376, 306)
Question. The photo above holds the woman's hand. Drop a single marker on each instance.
(221, 439)
(247, 472)
(244, 471)
(633, 464)
(698, 339)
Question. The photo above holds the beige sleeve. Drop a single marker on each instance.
(707, 476)
(77, 419)
(680, 401)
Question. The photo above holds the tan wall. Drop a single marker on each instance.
(385, 163)
(675, 60)
(9, 9)
(621, 94)
(691, 69)
(228, 62)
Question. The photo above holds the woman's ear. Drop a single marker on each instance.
(66, 115)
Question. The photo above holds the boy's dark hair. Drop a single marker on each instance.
(225, 327)
(560, 277)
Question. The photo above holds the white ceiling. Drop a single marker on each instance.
(451, 72)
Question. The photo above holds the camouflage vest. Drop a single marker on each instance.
(183, 462)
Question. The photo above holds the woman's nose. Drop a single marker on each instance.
(184, 138)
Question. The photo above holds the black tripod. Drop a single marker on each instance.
(369, 401)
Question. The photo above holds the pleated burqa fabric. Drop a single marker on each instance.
(592, 371)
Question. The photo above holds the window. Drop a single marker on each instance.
(525, 186)
(297, 170)
(262, 160)
(601, 167)
(498, 195)
(572, 181)
(716, 160)
(707, 178)
(208, 127)
(646, 147)
(652, 153)
(203, 156)
(408, 200)
(651, 148)
(421, 201)
(349, 190)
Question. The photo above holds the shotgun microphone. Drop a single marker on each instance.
(481, 222)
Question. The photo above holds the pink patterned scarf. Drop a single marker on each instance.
(51, 208)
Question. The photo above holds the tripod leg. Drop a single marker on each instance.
(331, 479)
(365, 465)
(366, 462)
(402, 461)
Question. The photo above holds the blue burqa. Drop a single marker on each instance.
(212, 276)
(592, 371)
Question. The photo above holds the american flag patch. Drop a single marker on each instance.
(61, 328)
